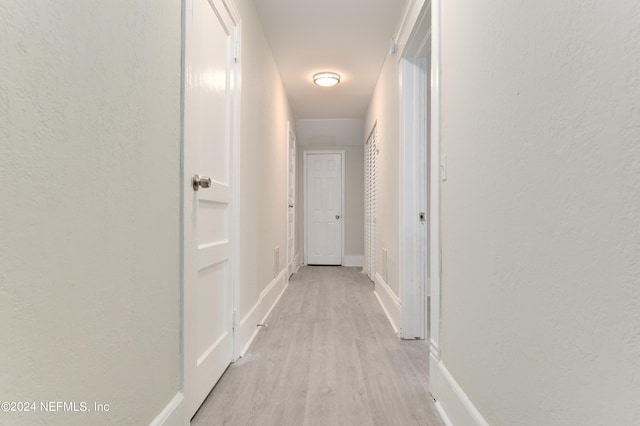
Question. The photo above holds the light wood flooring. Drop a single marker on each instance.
(328, 357)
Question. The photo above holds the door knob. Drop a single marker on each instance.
(200, 182)
(290, 206)
(337, 216)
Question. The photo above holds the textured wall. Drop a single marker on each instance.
(89, 224)
(263, 157)
(354, 201)
(541, 209)
(384, 109)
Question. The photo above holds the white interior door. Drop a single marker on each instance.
(208, 207)
(324, 187)
(291, 212)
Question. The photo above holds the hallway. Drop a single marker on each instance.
(156, 197)
(328, 357)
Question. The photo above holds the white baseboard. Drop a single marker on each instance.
(353, 261)
(388, 300)
(453, 404)
(269, 297)
(297, 262)
(173, 414)
(443, 414)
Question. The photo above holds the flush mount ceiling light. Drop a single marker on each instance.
(326, 79)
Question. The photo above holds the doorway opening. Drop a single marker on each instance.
(415, 154)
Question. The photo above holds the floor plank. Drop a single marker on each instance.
(327, 357)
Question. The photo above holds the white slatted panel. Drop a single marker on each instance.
(367, 209)
(370, 203)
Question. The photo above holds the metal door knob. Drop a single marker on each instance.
(200, 182)
(290, 206)
(337, 216)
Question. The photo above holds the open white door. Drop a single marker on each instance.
(291, 197)
(209, 203)
(323, 208)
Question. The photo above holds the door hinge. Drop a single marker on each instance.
(236, 52)
(234, 320)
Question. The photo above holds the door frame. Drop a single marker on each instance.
(306, 154)
(437, 175)
(415, 152)
(424, 15)
(185, 187)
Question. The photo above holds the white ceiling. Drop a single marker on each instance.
(350, 37)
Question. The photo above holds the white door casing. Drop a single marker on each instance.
(414, 156)
(435, 175)
(324, 222)
(291, 198)
(210, 213)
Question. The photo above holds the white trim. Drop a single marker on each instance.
(183, 277)
(172, 414)
(409, 18)
(297, 262)
(388, 300)
(269, 297)
(305, 154)
(435, 244)
(235, 173)
(443, 414)
(434, 349)
(414, 153)
(349, 260)
(455, 403)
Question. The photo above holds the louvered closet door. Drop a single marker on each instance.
(370, 204)
(367, 236)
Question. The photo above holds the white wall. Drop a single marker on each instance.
(384, 110)
(90, 217)
(354, 201)
(541, 210)
(263, 170)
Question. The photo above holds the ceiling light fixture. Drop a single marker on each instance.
(326, 79)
